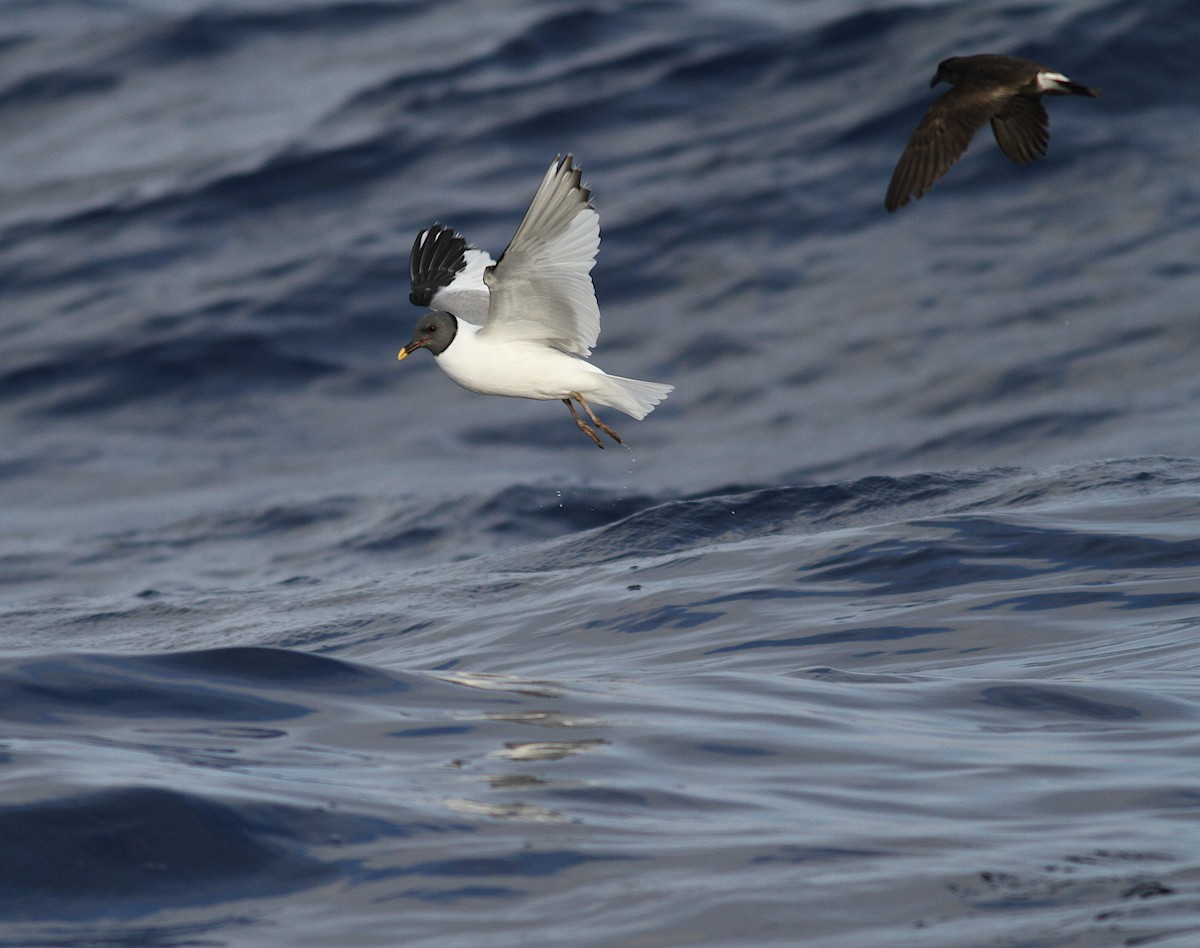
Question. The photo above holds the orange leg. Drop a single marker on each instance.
(583, 426)
(592, 415)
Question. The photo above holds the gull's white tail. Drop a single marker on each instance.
(632, 396)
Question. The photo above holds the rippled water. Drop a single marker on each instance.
(882, 631)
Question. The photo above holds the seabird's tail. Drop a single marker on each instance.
(632, 396)
(1056, 83)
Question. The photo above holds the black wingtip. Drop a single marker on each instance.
(438, 254)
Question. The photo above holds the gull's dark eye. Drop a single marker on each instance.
(431, 328)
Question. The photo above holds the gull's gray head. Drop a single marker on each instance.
(435, 331)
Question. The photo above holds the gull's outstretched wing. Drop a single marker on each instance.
(447, 274)
(541, 288)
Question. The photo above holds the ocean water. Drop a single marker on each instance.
(883, 630)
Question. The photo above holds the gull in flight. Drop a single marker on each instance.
(525, 325)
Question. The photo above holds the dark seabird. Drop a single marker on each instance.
(1002, 89)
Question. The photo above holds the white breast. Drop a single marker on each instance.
(517, 368)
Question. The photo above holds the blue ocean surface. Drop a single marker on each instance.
(884, 629)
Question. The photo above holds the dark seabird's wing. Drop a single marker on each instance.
(1022, 129)
(940, 140)
(447, 274)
